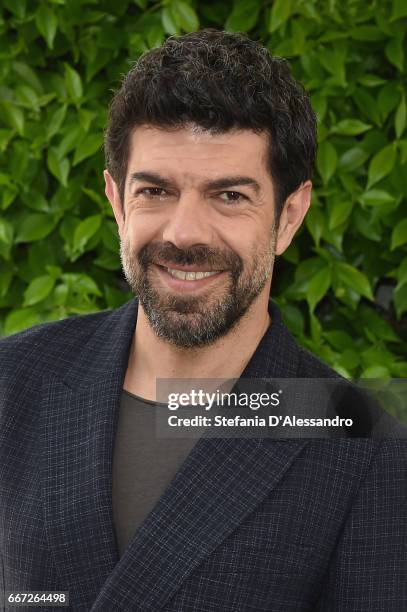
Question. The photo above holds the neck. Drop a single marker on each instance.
(152, 357)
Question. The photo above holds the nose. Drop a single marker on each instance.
(188, 224)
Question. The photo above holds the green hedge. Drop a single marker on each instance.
(342, 284)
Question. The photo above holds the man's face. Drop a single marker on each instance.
(199, 202)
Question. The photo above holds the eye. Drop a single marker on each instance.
(232, 196)
(151, 192)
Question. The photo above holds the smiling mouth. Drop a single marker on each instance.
(188, 274)
(188, 277)
(191, 276)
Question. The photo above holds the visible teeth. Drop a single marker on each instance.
(190, 275)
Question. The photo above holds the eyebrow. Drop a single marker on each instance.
(221, 183)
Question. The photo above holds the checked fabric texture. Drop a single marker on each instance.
(247, 525)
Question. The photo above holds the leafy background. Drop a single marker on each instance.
(342, 284)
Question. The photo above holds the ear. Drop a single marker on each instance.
(112, 194)
(292, 215)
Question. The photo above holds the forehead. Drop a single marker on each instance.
(194, 149)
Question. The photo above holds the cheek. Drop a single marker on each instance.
(141, 230)
(248, 245)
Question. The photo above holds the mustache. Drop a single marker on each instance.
(199, 255)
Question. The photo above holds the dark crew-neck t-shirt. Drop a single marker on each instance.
(143, 464)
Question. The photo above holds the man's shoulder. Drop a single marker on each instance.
(43, 344)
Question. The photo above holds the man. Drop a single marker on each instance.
(210, 148)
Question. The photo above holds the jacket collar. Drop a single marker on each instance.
(106, 352)
(199, 509)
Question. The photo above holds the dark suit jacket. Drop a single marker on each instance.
(246, 525)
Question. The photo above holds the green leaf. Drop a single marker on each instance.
(315, 223)
(339, 339)
(47, 98)
(6, 231)
(340, 370)
(185, 16)
(13, 116)
(114, 297)
(294, 318)
(8, 196)
(87, 147)
(70, 141)
(400, 300)
(168, 21)
(35, 200)
(58, 166)
(319, 104)
(18, 161)
(377, 371)
(60, 295)
(326, 160)
(47, 23)
(38, 289)
(334, 62)
(352, 159)
(316, 328)
(402, 144)
(108, 261)
(318, 287)
(27, 97)
(28, 75)
(54, 271)
(351, 127)
(399, 234)
(155, 36)
(400, 118)
(85, 117)
(381, 165)
(367, 32)
(339, 213)
(56, 120)
(6, 276)
(34, 226)
(371, 80)
(81, 283)
(292, 253)
(365, 225)
(376, 325)
(243, 17)
(20, 319)
(354, 279)
(73, 83)
(280, 12)
(399, 10)
(402, 273)
(394, 51)
(376, 197)
(349, 359)
(95, 197)
(17, 7)
(367, 105)
(5, 137)
(308, 268)
(85, 230)
(388, 98)
(335, 236)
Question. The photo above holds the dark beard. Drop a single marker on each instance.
(190, 321)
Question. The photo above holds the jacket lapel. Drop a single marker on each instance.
(79, 415)
(220, 482)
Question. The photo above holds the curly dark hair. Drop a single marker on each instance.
(219, 81)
